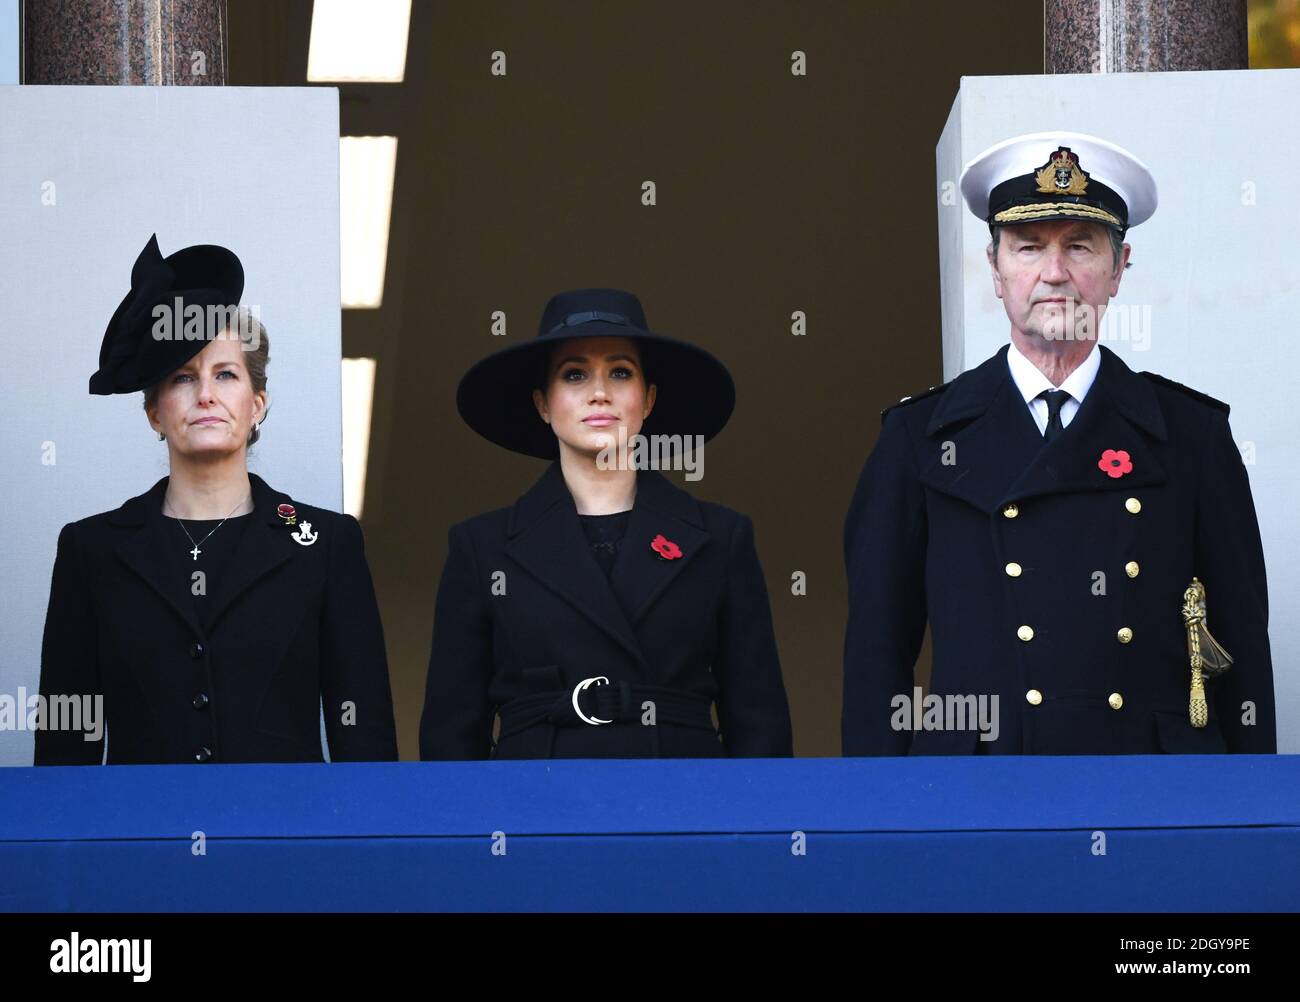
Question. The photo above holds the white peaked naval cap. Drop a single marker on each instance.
(1059, 175)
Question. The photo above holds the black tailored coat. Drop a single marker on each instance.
(692, 630)
(929, 538)
(292, 626)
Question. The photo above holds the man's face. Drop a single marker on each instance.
(1055, 277)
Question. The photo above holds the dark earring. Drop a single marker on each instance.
(162, 437)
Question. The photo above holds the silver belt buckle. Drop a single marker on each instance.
(594, 721)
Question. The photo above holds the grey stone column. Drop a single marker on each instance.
(155, 42)
(1119, 36)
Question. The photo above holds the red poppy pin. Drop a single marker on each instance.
(1115, 463)
(666, 548)
(287, 512)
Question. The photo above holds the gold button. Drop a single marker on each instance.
(1034, 697)
(1131, 568)
(1115, 701)
(1011, 511)
(1133, 505)
(1025, 633)
(1013, 570)
(1125, 634)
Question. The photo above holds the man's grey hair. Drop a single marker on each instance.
(1116, 245)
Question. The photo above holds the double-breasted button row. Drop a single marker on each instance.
(1014, 570)
(1125, 635)
(1035, 698)
(1133, 506)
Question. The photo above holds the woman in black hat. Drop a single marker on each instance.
(607, 612)
(212, 617)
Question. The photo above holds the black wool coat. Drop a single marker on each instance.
(292, 627)
(1049, 583)
(525, 614)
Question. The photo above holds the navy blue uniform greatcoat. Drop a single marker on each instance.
(291, 625)
(960, 485)
(679, 633)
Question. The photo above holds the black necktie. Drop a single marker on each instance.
(1055, 401)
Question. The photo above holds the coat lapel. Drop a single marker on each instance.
(144, 551)
(992, 434)
(259, 551)
(1120, 412)
(661, 509)
(998, 452)
(546, 540)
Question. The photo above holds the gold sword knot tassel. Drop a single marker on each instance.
(1207, 655)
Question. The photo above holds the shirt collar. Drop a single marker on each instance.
(1031, 382)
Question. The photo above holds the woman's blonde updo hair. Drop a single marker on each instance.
(251, 332)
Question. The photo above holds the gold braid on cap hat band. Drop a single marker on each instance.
(1020, 213)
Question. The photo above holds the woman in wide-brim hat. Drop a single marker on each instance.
(607, 613)
(211, 617)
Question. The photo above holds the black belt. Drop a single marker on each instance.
(595, 702)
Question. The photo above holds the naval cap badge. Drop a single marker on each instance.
(1062, 175)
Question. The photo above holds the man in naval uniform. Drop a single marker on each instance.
(1052, 513)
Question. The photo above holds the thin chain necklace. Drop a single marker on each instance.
(196, 551)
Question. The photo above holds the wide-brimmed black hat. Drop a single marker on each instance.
(695, 394)
(131, 358)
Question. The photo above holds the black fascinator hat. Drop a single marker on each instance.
(133, 355)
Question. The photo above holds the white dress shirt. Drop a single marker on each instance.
(1031, 382)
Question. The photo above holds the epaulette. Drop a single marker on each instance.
(1204, 398)
(914, 398)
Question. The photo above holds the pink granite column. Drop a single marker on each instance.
(156, 42)
(1119, 36)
